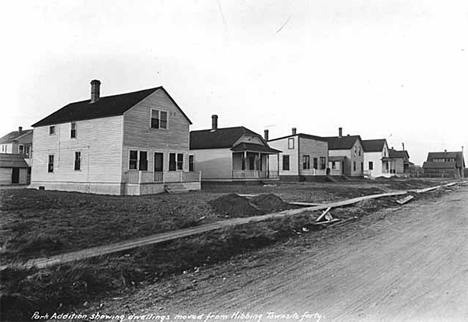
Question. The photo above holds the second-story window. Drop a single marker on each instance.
(20, 149)
(158, 119)
(52, 130)
(291, 143)
(73, 130)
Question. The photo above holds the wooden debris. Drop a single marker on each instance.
(405, 200)
(297, 203)
(323, 214)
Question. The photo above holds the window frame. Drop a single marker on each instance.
(134, 160)
(306, 162)
(323, 163)
(52, 130)
(73, 130)
(371, 165)
(140, 160)
(50, 163)
(172, 161)
(315, 163)
(77, 163)
(180, 162)
(290, 143)
(191, 162)
(159, 119)
(21, 149)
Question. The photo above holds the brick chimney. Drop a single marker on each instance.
(20, 130)
(294, 131)
(403, 145)
(340, 132)
(95, 90)
(265, 135)
(214, 122)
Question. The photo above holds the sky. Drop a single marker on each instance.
(393, 69)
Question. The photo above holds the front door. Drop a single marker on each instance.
(158, 162)
(15, 175)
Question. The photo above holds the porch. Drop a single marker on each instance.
(147, 182)
(251, 162)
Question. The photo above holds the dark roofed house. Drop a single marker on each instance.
(350, 150)
(400, 158)
(231, 154)
(445, 164)
(128, 144)
(17, 142)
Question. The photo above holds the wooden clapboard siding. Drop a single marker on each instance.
(5, 176)
(98, 140)
(314, 149)
(214, 164)
(282, 145)
(137, 131)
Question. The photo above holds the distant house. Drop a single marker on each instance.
(231, 154)
(304, 157)
(377, 161)
(445, 164)
(345, 155)
(400, 160)
(127, 144)
(17, 142)
(13, 169)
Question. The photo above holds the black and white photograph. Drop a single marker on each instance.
(234, 160)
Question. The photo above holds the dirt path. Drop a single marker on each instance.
(411, 265)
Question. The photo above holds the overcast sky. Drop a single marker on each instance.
(378, 68)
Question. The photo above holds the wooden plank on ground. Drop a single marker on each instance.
(323, 214)
(404, 200)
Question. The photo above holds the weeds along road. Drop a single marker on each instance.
(412, 265)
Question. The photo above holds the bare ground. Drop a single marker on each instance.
(398, 264)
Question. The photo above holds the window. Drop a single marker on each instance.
(77, 161)
(158, 119)
(190, 163)
(362, 166)
(180, 161)
(291, 143)
(286, 162)
(133, 160)
(143, 163)
(333, 165)
(359, 149)
(323, 162)
(50, 166)
(354, 165)
(315, 163)
(52, 130)
(27, 150)
(305, 162)
(371, 165)
(20, 149)
(172, 162)
(73, 130)
(158, 162)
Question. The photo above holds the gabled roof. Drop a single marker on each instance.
(250, 147)
(8, 160)
(457, 156)
(106, 106)
(395, 154)
(219, 138)
(12, 136)
(373, 145)
(301, 135)
(342, 143)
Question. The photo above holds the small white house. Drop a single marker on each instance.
(304, 157)
(233, 154)
(127, 144)
(377, 161)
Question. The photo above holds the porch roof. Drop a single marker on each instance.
(250, 147)
(337, 158)
(12, 161)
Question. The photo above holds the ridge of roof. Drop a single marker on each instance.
(105, 106)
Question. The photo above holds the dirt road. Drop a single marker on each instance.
(409, 265)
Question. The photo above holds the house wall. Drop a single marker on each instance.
(100, 144)
(376, 159)
(277, 164)
(139, 136)
(399, 166)
(314, 149)
(5, 176)
(214, 164)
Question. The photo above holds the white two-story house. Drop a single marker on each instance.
(127, 144)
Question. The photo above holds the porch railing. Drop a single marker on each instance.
(254, 174)
(135, 176)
